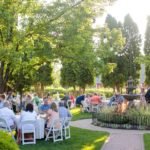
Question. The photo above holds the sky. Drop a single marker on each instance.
(138, 10)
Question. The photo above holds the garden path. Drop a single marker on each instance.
(118, 139)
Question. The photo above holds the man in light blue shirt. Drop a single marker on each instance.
(118, 98)
(63, 112)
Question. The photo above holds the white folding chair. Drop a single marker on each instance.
(4, 126)
(28, 127)
(54, 132)
(66, 127)
(86, 107)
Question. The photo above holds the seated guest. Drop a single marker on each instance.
(8, 115)
(45, 106)
(2, 99)
(95, 99)
(63, 111)
(118, 98)
(51, 115)
(28, 115)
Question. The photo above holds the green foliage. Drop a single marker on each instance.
(111, 45)
(78, 60)
(43, 74)
(111, 22)
(7, 142)
(102, 91)
(134, 116)
(33, 33)
(132, 48)
(147, 50)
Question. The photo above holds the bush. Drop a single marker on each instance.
(7, 142)
(136, 117)
(112, 118)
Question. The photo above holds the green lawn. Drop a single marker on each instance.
(77, 114)
(147, 141)
(81, 139)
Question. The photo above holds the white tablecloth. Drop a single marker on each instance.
(39, 126)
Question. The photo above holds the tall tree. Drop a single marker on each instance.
(147, 50)
(132, 47)
(30, 31)
(117, 77)
(111, 45)
(111, 22)
(76, 46)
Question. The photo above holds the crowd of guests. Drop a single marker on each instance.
(31, 108)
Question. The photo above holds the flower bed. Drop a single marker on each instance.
(132, 119)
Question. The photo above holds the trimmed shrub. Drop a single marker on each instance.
(7, 142)
(135, 118)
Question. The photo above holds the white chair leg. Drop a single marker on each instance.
(67, 132)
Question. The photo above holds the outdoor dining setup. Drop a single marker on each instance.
(34, 118)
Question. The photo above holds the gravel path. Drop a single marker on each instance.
(118, 139)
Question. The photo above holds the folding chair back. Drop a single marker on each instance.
(4, 126)
(54, 131)
(28, 127)
(66, 127)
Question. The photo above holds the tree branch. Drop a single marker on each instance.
(64, 11)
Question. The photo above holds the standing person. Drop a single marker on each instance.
(9, 96)
(142, 95)
(95, 99)
(27, 100)
(36, 100)
(147, 95)
(79, 100)
(72, 98)
(2, 99)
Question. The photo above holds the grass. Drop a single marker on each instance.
(77, 114)
(81, 139)
(147, 141)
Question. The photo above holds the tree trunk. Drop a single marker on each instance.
(39, 89)
(5, 74)
(118, 88)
